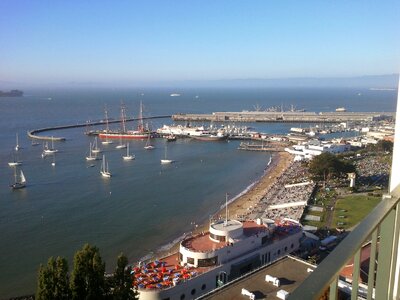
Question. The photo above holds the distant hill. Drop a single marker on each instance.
(389, 81)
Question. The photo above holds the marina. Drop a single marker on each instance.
(97, 209)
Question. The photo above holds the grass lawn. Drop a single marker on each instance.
(353, 209)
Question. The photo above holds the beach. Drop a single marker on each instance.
(246, 202)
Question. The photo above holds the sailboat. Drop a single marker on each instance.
(96, 149)
(107, 141)
(19, 182)
(165, 160)
(104, 168)
(17, 146)
(121, 146)
(15, 161)
(91, 156)
(48, 150)
(148, 145)
(128, 156)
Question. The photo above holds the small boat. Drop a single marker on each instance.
(148, 145)
(17, 146)
(128, 156)
(121, 145)
(96, 149)
(48, 150)
(104, 168)
(166, 161)
(170, 138)
(91, 157)
(106, 141)
(19, 182)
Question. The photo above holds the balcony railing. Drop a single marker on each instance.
(381, 224)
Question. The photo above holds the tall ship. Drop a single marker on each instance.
(206, 261)
(141, 132)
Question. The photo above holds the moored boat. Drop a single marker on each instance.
(104, 171)
(20, 182)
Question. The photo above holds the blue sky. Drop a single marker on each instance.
(123, 42)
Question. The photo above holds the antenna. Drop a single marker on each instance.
(226, 209)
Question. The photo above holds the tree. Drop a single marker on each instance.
(87, 280)
(53, 280)
(122, 280)
(327, 164)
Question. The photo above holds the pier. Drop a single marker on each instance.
(285, 117)
(263, 147)
(32, 133)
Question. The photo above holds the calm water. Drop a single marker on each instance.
(144, 205)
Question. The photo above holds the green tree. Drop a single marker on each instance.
(87, 280)
(122, 280)
(53, 280)
(326, 165)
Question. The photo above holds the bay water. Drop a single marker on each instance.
(145, 205)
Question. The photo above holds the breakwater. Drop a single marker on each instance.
(33, 133)
(288, 117)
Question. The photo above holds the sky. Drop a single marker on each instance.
(128, 42)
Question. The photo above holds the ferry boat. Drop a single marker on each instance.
(206, 261)
(341, 109)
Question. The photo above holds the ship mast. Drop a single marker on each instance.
(140, 120)
(123, 118)
(106, 115)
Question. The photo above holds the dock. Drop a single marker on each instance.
(33, 133)
(285, 117)
(263, 147)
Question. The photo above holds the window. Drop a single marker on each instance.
(291, 246)
(182, 296)
(285, 248)
(220, 238)
(190, 260)
(203, 287)
(180, 256)
(279, 252)
(193, 291)
(207, 262)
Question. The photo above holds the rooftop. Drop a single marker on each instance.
(289, 270)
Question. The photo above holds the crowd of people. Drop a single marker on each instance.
(372, 169)
(278, 194)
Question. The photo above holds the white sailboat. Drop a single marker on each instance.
(128, 156)
(15, 161)
(96, 149)
(50, 150)
(19, 182)
(166, 161)
(91, 156)
(148, 145)
(104, 168)
(107, 141)
(121, 145)
(17, 146)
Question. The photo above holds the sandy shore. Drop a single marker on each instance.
(280, 162)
